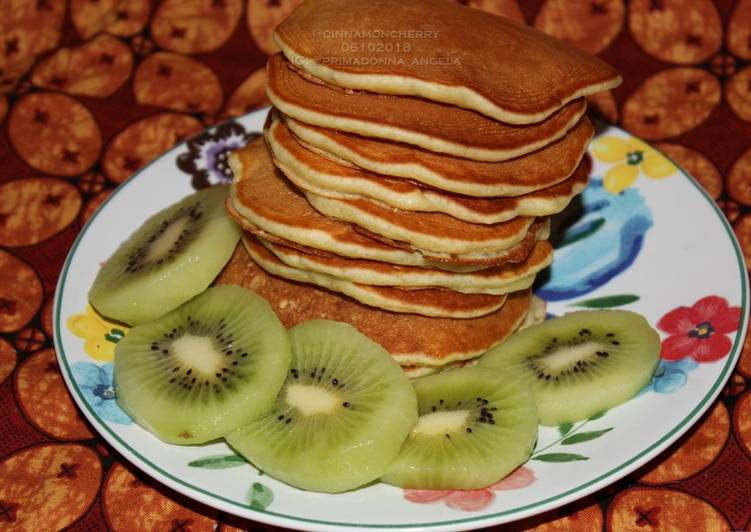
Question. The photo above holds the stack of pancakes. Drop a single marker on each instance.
(409, 192)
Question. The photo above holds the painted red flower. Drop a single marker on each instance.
(699, 331)
(473, 500)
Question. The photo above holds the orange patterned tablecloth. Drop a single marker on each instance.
(91, 90)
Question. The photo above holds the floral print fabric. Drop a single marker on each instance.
(91, 91)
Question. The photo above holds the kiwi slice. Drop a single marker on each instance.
(342, 414)
(582, 363)
(476, 425)
(204, 369)
(172, 257)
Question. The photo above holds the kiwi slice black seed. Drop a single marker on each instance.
(342, 414)
(205, 368)
(172, 257)
(581, 363)
(475, 427)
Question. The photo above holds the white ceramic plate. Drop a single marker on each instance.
(658, 245)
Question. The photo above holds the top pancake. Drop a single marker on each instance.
(514, 177)
(444, 52)
(434, 126)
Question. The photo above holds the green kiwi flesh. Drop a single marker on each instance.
(582, 363)
(475, 427)
(343, 412)
(171, 258)
(202, 370)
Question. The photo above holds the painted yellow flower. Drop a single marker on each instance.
(630, 157)
(100, 334)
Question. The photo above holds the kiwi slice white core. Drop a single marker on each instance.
(437, 423)
(566, 359)
(200, 354)
(312, 400)
(168, 241)
(197, 353)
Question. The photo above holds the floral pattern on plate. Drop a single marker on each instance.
(98, 389)
(598, 237)
(100, 335)
(473, 500)
(207, 157)
(699, 331)
(629, 157)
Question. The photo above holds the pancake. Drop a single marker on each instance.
(319, 175)
(417, 371)
(541, 169)
(470, 58)
(265, 203)
(436, 232)
(498, 280)
(435, 302)
(434, 126)
(410, 338)
(538, 232)
(537, 312)
(535, 315)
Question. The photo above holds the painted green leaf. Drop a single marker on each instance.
(559, 457)
(581, 232)
(565, 428)
(218, 461)
(617, 300)
(114, 336)
(584, 436)
(598, 415)
(259, 496)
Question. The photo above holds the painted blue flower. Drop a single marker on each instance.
(670, 376)
(96, 385)
(603, 240)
